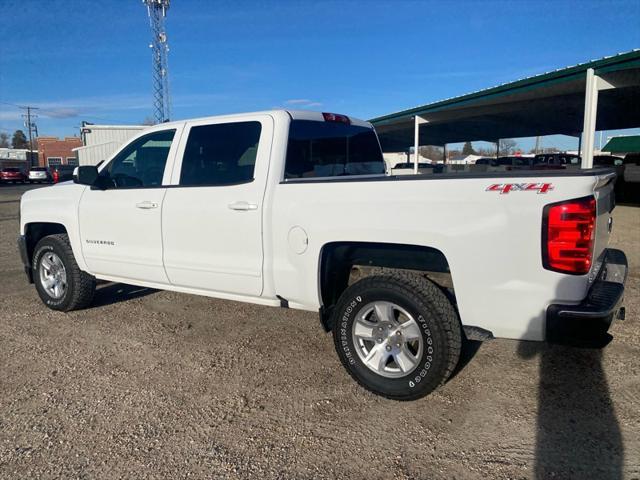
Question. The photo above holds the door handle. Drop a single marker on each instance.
(243, 206)
(146, 205)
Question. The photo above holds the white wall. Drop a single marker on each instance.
(101, 141)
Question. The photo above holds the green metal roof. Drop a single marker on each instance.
(612, 63)
(628, 144)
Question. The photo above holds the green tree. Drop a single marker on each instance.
(467, 149)
(4, 140)
(19, 140)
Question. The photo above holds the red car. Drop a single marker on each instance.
(14, 175)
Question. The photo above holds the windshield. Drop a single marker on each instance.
(328, 149)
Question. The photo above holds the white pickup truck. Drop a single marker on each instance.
(293, 209)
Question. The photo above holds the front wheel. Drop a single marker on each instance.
(397, 335)
(59, 281)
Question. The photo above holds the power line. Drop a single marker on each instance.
(12, 104)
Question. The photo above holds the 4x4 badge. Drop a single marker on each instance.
(505, 188)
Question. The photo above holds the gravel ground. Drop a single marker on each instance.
(149, 384)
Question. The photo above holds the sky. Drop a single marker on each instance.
(85, 60)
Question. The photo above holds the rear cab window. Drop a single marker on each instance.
(318, 149)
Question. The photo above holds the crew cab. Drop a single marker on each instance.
(293, 209)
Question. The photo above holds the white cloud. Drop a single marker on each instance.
(303, 102)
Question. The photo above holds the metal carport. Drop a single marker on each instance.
(598, 95)
(626, 144)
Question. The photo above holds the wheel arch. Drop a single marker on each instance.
(338, 259)
(36, 231)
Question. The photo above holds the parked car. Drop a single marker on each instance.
(486, 161)
(407, 168)
(62, 173)
(12, 175)
(515, 162)
(506, 163)
(556, 161)
(39, 175)
(632, 168)
(293, 209)
(610, 161)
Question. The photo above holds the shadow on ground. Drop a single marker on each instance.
(108, 293)
(578, 434)
(468, 350)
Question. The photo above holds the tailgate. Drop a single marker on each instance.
(605, 203)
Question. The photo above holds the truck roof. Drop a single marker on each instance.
(294, 114)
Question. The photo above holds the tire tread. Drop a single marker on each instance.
(83, 284)
(423, 291)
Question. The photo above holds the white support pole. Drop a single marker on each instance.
(416, 141)
(590, 114)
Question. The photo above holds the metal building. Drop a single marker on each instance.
(102, 141)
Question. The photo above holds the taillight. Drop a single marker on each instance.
(334, 117)
(568, 231)
(56, 176)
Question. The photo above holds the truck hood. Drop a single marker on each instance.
(37, 205)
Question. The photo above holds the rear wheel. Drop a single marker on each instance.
(59, 281)
(397, 335)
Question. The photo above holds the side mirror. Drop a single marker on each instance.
(85, 175)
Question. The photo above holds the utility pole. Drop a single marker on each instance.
(537, 150)
(30, 125)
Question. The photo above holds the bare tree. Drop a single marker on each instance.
(508, 146)
(431, 152)
(487, 152)
(4, 140)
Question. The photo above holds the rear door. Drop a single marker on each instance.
(120, 225)
(212, 214)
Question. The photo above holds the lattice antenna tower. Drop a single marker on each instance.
(157, 10)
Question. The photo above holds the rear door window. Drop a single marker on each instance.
(330, 149)
(220, 154)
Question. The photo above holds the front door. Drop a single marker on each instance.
(212, 218)
(120, 225)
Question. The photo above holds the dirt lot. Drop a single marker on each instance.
(150, 384)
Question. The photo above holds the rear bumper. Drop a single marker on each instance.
(24, 256)
(587, 323)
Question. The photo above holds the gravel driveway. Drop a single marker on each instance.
(149, 384)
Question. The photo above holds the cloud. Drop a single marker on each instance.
(297, 101)
(303, 102)
(10, 115)
(61, 112)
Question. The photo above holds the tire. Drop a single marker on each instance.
(418, 301)
(79, 286)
